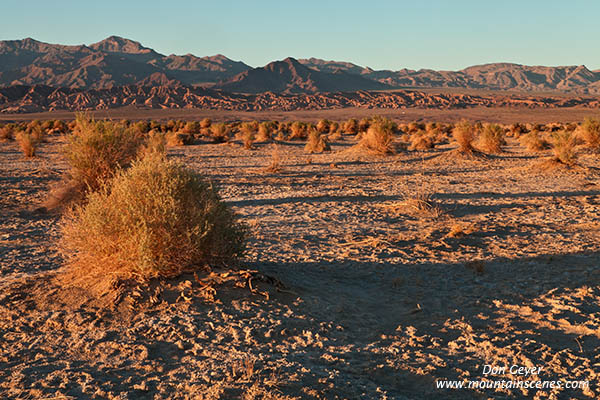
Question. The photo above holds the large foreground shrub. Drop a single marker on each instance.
(154, 219)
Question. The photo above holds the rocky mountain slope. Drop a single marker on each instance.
(497, 76)
(112, 62)
(290, 76)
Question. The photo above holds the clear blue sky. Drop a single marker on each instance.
(381, 34)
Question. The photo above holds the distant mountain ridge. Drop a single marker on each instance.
(112, 62)
(116, 61)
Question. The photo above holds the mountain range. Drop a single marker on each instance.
(117, 61)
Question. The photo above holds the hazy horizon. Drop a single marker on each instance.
(387, 35)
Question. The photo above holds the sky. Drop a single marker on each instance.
(435, 34)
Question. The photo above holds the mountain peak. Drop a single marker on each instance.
(117, 44)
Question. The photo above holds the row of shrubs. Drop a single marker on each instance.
(376, 134)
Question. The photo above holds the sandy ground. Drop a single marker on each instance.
(379, 300)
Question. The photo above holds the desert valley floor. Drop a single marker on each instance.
(357, 294)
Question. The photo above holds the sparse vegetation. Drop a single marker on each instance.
(563, 148)
(590, 132)
(275, 165)
(97, 149)
(533, 142)
(174, 139)
(492, 139)
(156, 219)
(219, 133)
(265, 130)
(464, 135)
(379, 138)
(6, 132)
(298, 131)
(316, 143)
(247, 132)
(27, 142)
(421, 140)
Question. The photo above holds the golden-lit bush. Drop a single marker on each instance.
(219, 133)
(192, 128)
(298, 131)
(205, 123)
(323, 126)
(96, 149)
(464, 135)
(247, 134)
(590, 133)
(533, 142)
(174, 139)
(364, 124)
(265, 130)
(350, 127)
(316, 143)
(155, 219)
(563, 148)
(7, 132)
(27, 143)
(421, 140)
(491, 139)
(379, 138)
(155, 143)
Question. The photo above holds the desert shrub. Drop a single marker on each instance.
(414, 127)
(219, 133)
(142, 126)
(323, 126)
(47, 125)
(7, 132)
(350, 127)
(364, 124)
(422, 140)
(563, 148)
(171, 125)
(27, 142)
(491, 138)
(155, 219)
(379, 138)
(155, 143)
(538, 127)
(155, 126)
(59, 126)
(533, 142)
(265, 130)
(96, 149)
(36, 130)
(334, 127)
(275, 164)
(334, 131)
(590, 133)
(192, 128)
(298, 131)
(247, 134)
(174, 139)
(316, 143)
(464, 135)
(205, 123)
